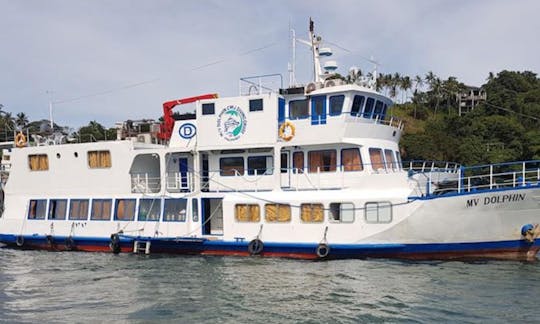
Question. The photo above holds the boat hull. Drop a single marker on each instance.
(502, 250)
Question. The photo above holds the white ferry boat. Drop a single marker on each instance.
(311, 172)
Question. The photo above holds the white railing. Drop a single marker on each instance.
(145, 183)
(179, 181)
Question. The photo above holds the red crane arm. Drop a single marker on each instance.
(165, 129)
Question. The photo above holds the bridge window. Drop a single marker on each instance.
(298, 109)
(231, 166)
(247, 213)
(390, 161)
(78, 209)
(277, 213)
(149, 209)
(208, 108)
(322, 161)
(256, 105)
(368, 111)
(378, 212)
(38, 162)
(99, 159)
(312, 213)
(258, 165)
(351, 160)
(298, 162)
(342, 212)
(398, 159)
(125, 209)
(336, 104)
(174, 210)
(101, 209)
(377, 160)
(37, 209)
(57, 209)
(358, 103)
(378, 110)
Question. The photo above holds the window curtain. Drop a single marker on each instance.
(298, 161)
(351, 160)
(376, 159)
(390, 161)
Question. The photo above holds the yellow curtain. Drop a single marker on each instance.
(97, 209)
(315, 161)
(105, 159)
(312, 213)
(254, 213)
(120, 210)
(390, 162)
(38, 162)
(270, 212)
(376, 159)
(284, 213)
(298, 161)
(106, 209)
(92, 159)
(241, 213)
(351, 160)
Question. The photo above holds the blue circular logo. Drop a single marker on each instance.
(187, 130)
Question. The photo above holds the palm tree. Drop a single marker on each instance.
(7, 121)
(21, 120)
(405, 85)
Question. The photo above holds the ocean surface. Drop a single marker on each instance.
(69, 287)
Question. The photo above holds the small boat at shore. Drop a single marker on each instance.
(308, 171)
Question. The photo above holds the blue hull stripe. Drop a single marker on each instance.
(196, 246)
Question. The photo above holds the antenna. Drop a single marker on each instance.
(50, 93)
(292, 66)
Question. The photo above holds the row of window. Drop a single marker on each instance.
(210, 108)
(144, 209)
(370, 108)
(374, 212)
(96, 160)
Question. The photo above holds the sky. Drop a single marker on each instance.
(113, 60)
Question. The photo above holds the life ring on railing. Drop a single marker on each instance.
(115, 243)
(255, 247)
(284, 134)
(323, 250)
(20, 140)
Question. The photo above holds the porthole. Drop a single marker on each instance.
(76, 154)
(57, 155)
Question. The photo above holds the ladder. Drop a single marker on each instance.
(141, 246)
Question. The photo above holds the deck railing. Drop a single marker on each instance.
(486, 177)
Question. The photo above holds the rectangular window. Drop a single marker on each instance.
(256, 105)
(312, 213)
(398, 159)
(284, 162)
(376, 157)
(195, 209)
(174, 210)
(277, 213)
(101, 209)
(99, 159)
(38, 162)
(78, 209)
(124, 209)
(247, 213)
(57, 209)
(298, 162)
(208, 109)
(231, 166)
(390, 162)
(298, 109)
(378, 212)
(378, 110)
(342, 212)
(368, 111)
(149, 209)
(322, 161)
(351, 160)
(258, 165)
(37, 209)
(336, 104)
(358, 103)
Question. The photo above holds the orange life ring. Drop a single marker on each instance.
(20, 140)
(283, 134)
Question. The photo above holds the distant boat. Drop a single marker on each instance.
(307, 171)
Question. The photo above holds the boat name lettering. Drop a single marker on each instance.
(500, 199)
(231, 123)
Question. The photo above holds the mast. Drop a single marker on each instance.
(315, 41)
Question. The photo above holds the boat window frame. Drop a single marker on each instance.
(249, 212)
(100, 163)
(312, 209)
(330, 101)
(371, 111)
(79, 201)
(343, 166)
(377, 205)
(42, 162)
(381, 154)
(65, 201)
(360, 111)
(32, 210)
(223, 173)
(253, 105)
(279, 206)
(101, 201)
(268, 170)
(210, 108)
(331, 167)
(307, 101)
(341, 209)
(159, 205)
(132, 211)
(182, 218)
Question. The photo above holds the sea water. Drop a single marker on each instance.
(68, 287)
